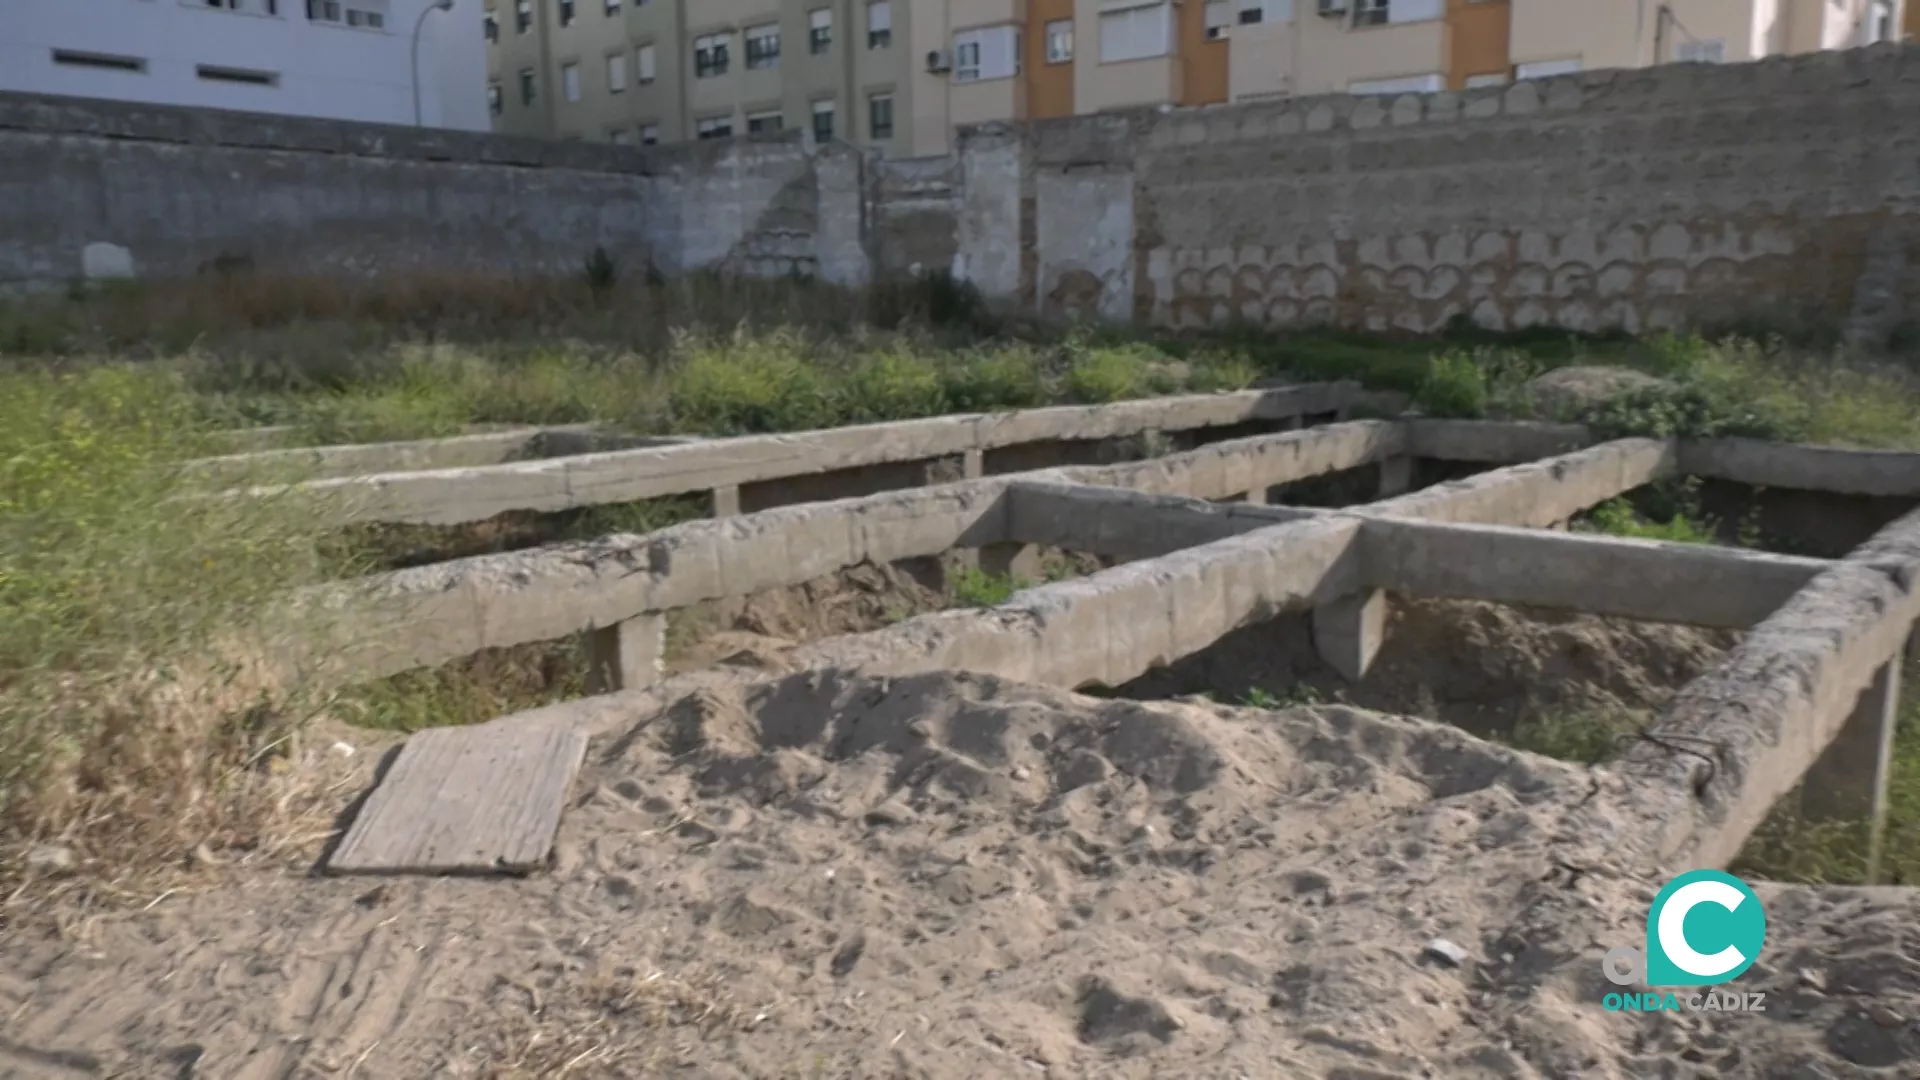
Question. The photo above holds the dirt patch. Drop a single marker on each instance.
(950, 876)
(1486, 668)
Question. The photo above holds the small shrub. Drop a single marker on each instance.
(750, 386)
(992, 381)
(1260, 698)
(1616, 517)
(975, 588)
(891, 385)
(1455, 386)
(602, 273)
(1689, 409)
(1098, 375)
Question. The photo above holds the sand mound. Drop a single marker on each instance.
(831, 875)
(1483, 667)
(1568, 392)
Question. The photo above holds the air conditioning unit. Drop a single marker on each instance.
(939, 61)
(1331, 9)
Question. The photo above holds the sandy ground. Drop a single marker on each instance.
(1479, 666)
(945, 876)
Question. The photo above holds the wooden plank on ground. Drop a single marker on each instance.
(484, 799)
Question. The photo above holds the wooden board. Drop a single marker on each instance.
(484, 799)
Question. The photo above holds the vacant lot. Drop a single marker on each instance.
(128, 754)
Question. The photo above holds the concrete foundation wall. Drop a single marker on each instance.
(451, 496)
(1783, 192)
(114, 189)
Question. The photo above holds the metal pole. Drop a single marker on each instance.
(436, 5)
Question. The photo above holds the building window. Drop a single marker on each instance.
(710, 56)
(820, 30)
(1412, 84)
(879, 24)
(256, 7)
(237, 75)
(570, 81)
(563, 9)
(334, 11)
(990, 52)
(616, 73)
(1370, 12)
(1701, 52)
(1545, 69)
(714, 127)
(766, 121)
(880, 117)
(643, 65)
(1880, 24)
(1060, 41)
(763, 47)
(823, 121)
(101, 61)
(649, 134)
(526, 86)
(496, 102)
(613, 8)
(1216, 16)
(1136, 33)
(492, 28)
(522, 16)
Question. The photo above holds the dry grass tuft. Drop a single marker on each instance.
(620, 1023)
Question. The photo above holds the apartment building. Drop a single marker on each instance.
(381, 61)
(900, 75)
(647, 71)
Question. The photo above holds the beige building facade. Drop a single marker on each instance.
(648, 71)
(899, 76)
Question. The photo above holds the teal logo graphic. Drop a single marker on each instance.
(1704, 928)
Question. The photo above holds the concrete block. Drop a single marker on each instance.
(628, 655)
(1849, 781)
(1348, 632)
(726, 501)
(1021, 562)
(1396, 476)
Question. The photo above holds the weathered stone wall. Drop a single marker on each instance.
(1783, 192)
(102, 188)
(913, 207)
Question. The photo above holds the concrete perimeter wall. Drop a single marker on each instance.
(1783, 192)
(177, 191)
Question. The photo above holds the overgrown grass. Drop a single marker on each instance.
(131, 717)
(123, 738)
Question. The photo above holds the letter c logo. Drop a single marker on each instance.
(1706, 908)
(1672, 928)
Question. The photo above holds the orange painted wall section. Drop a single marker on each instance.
(1203, 63)
(1477, 39)
(1049, 86)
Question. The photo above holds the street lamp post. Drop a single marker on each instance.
(437, 5)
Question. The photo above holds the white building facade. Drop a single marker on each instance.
(334, 59)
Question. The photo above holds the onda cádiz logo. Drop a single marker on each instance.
(1705, 928)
